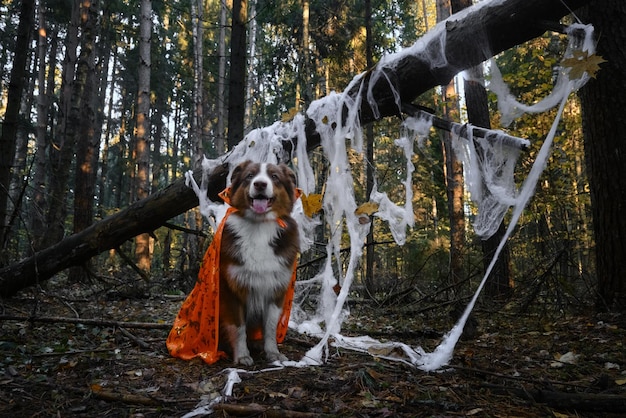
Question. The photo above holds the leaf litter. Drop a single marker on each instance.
(522, 365)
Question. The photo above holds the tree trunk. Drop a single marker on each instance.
(146, 215)
(61, 149)
(603, 103)
(499, 282)
(11, 116)
(369, 154)
(87, 144)
(252, 84)
(237, 81)
(142, 141)
(197, 113)
(37, 207)
(453, 169)
(221, 83)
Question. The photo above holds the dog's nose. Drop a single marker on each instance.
(260, 185)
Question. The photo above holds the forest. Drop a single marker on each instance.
(108, 109)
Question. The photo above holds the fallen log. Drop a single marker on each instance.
(469, 39)
(144, 216)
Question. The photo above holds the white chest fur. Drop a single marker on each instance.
(261, 270)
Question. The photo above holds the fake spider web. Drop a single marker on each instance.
(489, 165)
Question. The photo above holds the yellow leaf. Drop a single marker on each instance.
(367, 208)
(581, 62)
(311, 203)
(290, 114)
(620, 382)
(325, 120)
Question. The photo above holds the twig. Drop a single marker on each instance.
(131, 263)
(141, 343)
(255, 409)
(187, 230)
(86, 321)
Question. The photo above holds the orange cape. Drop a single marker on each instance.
(195, 332)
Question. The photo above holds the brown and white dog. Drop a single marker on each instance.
(260, 244)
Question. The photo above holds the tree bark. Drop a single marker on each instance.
(498, 284)
(453, 169)
(8, 134)
(504, 25)
(141, 187)
(220, 139)
(87, 144)
(237, 80)
(603, 102)
(61, 148)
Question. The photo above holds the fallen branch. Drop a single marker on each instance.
(86, 321)
(141, 343)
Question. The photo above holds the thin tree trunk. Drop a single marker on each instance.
(61, 150)
(87, 144)
(197, 112)
(453, 171)
(500, 280)
(142, 141)
(11, 115)
(21, 170)
(369, 159)
(237, 81)
(307, 92)
(220, 140)
(37, 208)
(251, 86)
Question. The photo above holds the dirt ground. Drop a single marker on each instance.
(516, 365)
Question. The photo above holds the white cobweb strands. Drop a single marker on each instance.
(399, 218)
(489, 172)
(489, 165)
(579, 38)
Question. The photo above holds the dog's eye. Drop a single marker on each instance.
(249, 176)
(275, 177)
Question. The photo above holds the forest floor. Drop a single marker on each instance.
(516, 365)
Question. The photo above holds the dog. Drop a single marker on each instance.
(260, 243)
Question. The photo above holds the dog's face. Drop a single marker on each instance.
(263, 191)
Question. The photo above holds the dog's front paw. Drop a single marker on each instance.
(245, 360)
(272, 357)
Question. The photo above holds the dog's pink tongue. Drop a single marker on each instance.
(260, 205)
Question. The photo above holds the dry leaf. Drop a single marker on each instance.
(582, 63)
(311, 203)
(286, 117)
(367, 208)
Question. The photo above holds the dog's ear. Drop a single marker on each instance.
(237, 172)
(288, 172)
